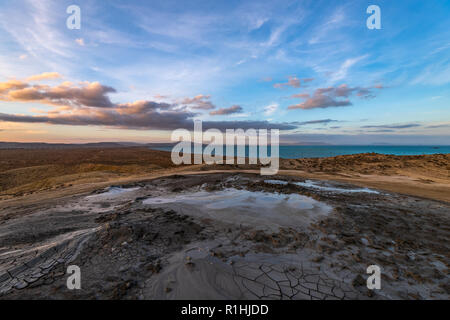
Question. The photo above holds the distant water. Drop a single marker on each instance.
(293, 152)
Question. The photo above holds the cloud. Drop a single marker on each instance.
(11, 85)
(44, 76)
(332, 97)
(293, 82)
(394, 126)
(223, 125)
(270, 109)
(439, 126)
(89, 94)
(301, 95)
(343, 69)
(324, 121)
(89, 104)
(365, 139)
(436, 74)
(226, 111)
(149, 120)
(332, 23)
(320, 101)
(382, 130)
(80, 41)
(200, 102)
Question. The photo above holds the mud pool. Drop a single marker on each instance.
(262, 210)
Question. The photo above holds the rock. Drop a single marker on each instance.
(123, 269)
(154, 267)
(21, 285)
(317, 259)
(358, 281)
(364, 241)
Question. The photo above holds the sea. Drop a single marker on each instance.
(294, 152)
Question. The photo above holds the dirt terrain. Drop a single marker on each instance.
(141, 228)
(227, 236)
(57, 172)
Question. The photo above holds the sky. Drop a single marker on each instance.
(137, 70)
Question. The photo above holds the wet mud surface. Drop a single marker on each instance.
(227, 236)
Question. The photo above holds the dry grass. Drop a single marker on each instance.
(24, 171)
(435, 166)
(28, 171)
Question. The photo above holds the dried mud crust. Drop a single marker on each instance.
(128, 250)
(125, 249)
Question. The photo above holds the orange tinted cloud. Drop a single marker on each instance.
(45, 76)
(332, 97)
(12, 85)
(90, 94)
(88, 103)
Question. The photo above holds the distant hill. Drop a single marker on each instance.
(40, 145)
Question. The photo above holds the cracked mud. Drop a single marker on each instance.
(227, 236)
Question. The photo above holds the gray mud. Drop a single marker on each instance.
(227, 236)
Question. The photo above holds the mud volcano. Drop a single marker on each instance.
(227, 236)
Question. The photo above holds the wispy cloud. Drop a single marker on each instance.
(44, 76)
(293, 82)
(341, 73)
(199, 102)
(270, 109)
(227, 111)
(80, 41)
(323, 121)
(394, 126)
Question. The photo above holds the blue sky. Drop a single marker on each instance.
(138, 69)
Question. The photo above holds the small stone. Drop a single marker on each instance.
(4, 277)
(21, 285)
(358, 281)
(123, 269)
(338, 292)
(317, 259)
(364, 241)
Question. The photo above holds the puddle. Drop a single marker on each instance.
(112, 192)
(316, 185)
(280, 182)
(320, 186)
(261, 210)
